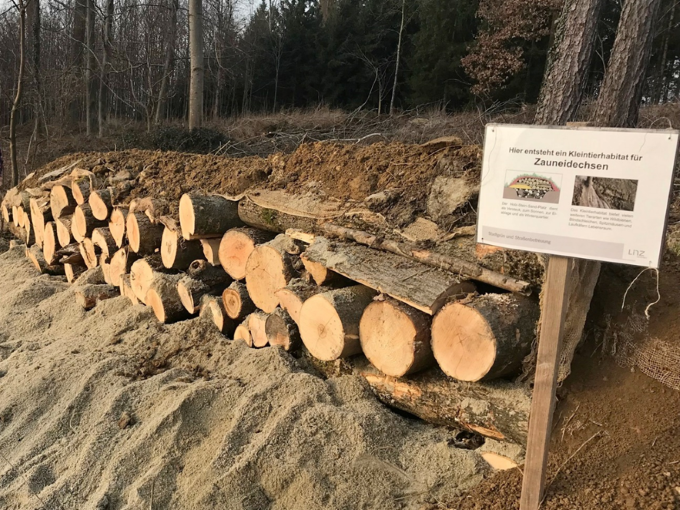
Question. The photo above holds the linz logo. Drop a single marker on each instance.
(637, 253)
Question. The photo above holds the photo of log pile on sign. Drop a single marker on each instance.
(605, 193)
(532, 187)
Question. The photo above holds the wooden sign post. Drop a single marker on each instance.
(587, 193)
(545, 382)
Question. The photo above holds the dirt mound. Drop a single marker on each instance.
(85, 423)
(343, 171)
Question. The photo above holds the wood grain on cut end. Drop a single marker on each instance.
(237, 302)
(117, 225)
(236, 246)
(268, 269)
(257, 324)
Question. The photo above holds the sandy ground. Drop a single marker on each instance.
(108, 409)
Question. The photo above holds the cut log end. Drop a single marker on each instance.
(63, 227)
(237, 302)
(73, 271)
(100, 202)
(267, 270)
(178, 253)
(163, 298)
(257, 324)
(144, 236)
(211, 249)
(281, 330)
(242, 332)
(212, 308)
(499, 462)
(396, 338)
(117, 225)
(88, 296)
(235, 248)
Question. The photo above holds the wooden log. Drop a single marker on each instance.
(81, 188)
(35, 255)
(121, 263)
(423, 287)
(73, 271)
(273, 220)
(15, 215)
(282, 330)
(396, 338)
(29, 235)
(257, 324)
(236, 246)
(211, 249)
(62, 202)
(142, 273)
(63, 227)
(320, 273)
(152, 208)
(443, 261)
(486, 337)
(89, 253)
(329, 322)
(242, 332)
(237, 302)
(126, 289)
(117, 224)
(6, 212)
(102, 200)
(106, 268)
(144, 236)
(268, 269)
(69, 255)
(496, 409)
(178, 253)
(213, 309)
(164, 299)
(293, 295)
(83, 223)
(50, 247)
(88, 296)
(91, 277)
(205, 216)
(202, 279)
(40, 214)
(102, 238)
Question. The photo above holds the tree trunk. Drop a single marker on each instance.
(196, 51)
(396, 338)
(236, 246)
(87, 250)
(168, 64)
(484, 338)
(17, 98)
(80, 188)
(102, 102)
(618, 102)
(329, 322)
(203, 217)
(178, 253)
(237, 302)
(568, 65)
(35, 255)
(396, 67)
(89, 65)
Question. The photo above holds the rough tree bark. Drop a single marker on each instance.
(104, 71)
(89, 64)
(169, 61)
(17, 98)
(396, 68)
(196, 50)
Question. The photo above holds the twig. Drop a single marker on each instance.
(564, 429)
(153, 485)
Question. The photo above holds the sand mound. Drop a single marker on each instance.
(108, 409)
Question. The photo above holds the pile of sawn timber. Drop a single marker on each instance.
(280, 277)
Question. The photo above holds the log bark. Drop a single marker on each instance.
(178, 253)
(83, 223)
(237, 302)
(431, 258)
(268, 269)
(498, 409)
(282, 330)
(257, 325)
(329, 322)
(273, 220)
(485, 337)
(213, 309)
(88, 296)
(89, 253)
(164, 299)
(236, 246)
(70, 255)
(320, 273)
(144, 236)
(63, 226)
(293, 295)
(396, 338)
(35, 255)
(211, 249)
(102, 200)
(121, 263)
(206, 216)
(81, 188)
(62, 202)
(102, 238)
(202, 279)
(117, 224)
(142, 274)
(40, 214)
(420, 286)
(73, 271)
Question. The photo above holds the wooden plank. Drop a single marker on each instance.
(423, 287)
(545, 382)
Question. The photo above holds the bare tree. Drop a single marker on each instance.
(21, 5)
(89, 64)
(396, 68)
(104, 69)
(197, 70)
(169, 61)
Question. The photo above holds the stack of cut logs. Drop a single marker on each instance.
(294, 284)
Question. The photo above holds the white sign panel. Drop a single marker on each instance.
(589, 193)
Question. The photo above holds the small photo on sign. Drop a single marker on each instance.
(532, 187)
(605, 193)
